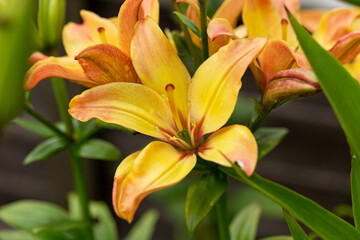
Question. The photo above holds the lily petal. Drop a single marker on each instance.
(310, 18)
(354, 69)
(231, 144)
(150, 8)
(214, 89)
(128, 104)
(347, 47)
(105, 63)
(230, 10)
(157, 166)
(220, 27)
(37, 56)
(62, 67)
(157, 64)
(334, 25)
(77, 37)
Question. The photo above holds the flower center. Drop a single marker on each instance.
(102, 35)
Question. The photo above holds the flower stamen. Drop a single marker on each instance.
(284, 28)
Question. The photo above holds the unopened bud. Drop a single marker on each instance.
(289, 84)
(51, 18)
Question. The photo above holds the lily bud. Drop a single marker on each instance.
(51, 18)
(289, 84)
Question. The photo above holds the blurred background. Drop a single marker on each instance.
(313, 159)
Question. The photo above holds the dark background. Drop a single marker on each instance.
(313, 159)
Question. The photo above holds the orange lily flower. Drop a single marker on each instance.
(281, 71)
(176, 109)
(96, 38)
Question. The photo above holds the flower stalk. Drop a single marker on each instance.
(203, 22)
(222, 217)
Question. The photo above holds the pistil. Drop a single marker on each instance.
(284, 28)
(102, 35)
(170, 88)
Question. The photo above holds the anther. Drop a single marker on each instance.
(284, 28)
(102, 35)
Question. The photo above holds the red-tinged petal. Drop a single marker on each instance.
(290, 84)
(77, 37)
(310, 18)
(334, 25)
(105, 63)
(62, 67)
(127, 18)
(220, 27)
(214, 89)
(229, 145)
(130, 105)
(285, 59)
(157, 64)
(230, 10)
(37, 56)
(150, 8)
(347, 48)
(157, 166)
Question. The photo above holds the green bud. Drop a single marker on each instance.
(51, 18)
(15, 48)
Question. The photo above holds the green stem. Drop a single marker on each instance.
(80, 184)
(187, 37)
(46, 122)
(203, 24)
(62, 101)
(258, 121)
(222, 217)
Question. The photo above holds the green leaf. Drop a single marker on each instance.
(202, 195)
(356, 2)
(318, 219)
(268, 138)
(46, 149)
(184, 53)
(105, 226)
(99, 149)
(16, 235)
(245, 223)
(343, 92)
(278, 238)
(34, 127)
(296, 231)
(188, 22)
(42, 220)
(144, 227)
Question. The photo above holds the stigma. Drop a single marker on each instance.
(284, 29)
(102, 35)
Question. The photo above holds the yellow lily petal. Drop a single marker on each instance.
(105, 63)
(347, 47)
(310, 18)
(157, 166)
(214, 89)
(354, 69)
(230, 10)
(241, 31)
(219, 31)
(150, 8)
(77, 37)
(128, 104)
(262, 19)
(334, 25)
(62, 67)
(157, 64)
(231, 144)
(130, 12)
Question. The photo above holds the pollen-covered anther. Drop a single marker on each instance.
(170, 88)
(284, 28)
(101, 31)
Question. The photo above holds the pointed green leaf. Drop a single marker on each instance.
(16, 235)
(99, 149)
(34, 127)
(188, 22)
(245, 223)
(296, 231)
(46, 149)
(42, 220)
(268, 138)
(202, 195)
(318, 219)
(343, 92)
(144, 228)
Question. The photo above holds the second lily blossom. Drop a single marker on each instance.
(176, 109)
